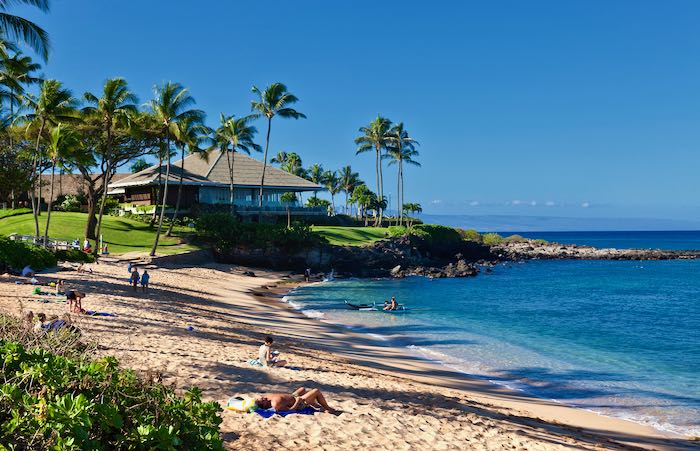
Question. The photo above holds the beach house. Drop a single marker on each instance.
(206, 181)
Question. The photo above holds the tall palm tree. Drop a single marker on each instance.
(189, 133)
(112, 110)
(239, 134)
(331, 181)
(17, 72)
(375, 137)
(315, 174)
(293, 165)
(60, 143)
(401, 149)
(171, 105)
(273, 101)
(20, 29)
(281, 158)
(348, 181)
(53, 105)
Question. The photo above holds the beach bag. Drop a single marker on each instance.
(241, 404)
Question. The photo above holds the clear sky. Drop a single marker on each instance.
(562, 108)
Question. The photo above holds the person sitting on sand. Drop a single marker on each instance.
(135, 278)
(27, 271)
(87, 247)
(299, 400)
(144, 280)
(268, 357)
(40, 319)
(393, 305)
(75, 301)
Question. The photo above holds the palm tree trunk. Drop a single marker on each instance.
(36, 172)
(230, 175)
(289, 218)
(160, 178)
(179, 192)
(262, 178)
(381, 186)
(402, 198)
(333, 203)
(165, 197)
(105, 183)
(48, 211)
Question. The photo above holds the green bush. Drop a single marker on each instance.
(515, 239)
(438, 234)
(397, 231)
(72, 203)
(470, 235)
(224, 232)
(74, 255)
(111, 205)
(50, 401)
(16, 255)
(492, 239)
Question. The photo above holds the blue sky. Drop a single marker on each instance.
(561, 108)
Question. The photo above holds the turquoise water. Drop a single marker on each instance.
(619, 338)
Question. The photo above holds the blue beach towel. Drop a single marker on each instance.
(268, 413)
(254, 362)
(94, 313)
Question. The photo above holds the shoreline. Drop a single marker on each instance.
(490, 392)
(389, 399)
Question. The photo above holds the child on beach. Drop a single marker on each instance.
(144, 280)
(268, 357)
(135, 278)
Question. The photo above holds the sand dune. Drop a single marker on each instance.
(199, 326)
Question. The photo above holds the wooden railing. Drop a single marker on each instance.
(59, 245)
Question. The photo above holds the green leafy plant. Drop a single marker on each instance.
(492, 239)
(16, 255)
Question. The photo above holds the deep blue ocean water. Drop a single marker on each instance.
(620, 338)
(623, 240)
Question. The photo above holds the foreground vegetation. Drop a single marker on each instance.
(120, 234)
(54, 395)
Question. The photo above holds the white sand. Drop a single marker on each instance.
(389, 399)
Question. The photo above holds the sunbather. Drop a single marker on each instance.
(300, 399)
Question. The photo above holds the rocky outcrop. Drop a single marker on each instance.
(531, 250)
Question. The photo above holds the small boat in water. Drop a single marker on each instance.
(373, 308)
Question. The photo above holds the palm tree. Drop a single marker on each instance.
(189, 133)
(60, 143)
(170, 106)
(293, 165)
(240, 135)
(332, 183)
(401, 149)
(16, 72)
(55, 104)
(281, 158)
(112, 111)
(273, 101)
(412, 208)
(288, 199)
(315, 174)
(348, 181)
(20, 29)
(375, 137)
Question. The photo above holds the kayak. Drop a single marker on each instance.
(373, 308)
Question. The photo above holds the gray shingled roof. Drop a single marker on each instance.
(214, 172)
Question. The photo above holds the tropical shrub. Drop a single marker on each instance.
(111, 205)
(316, 202)
(74, 255)
(16, 255)
(226, 232)
(397, 231)
(515, 239)
(470, 235)
(491, 239)
(438, 233)
(72, 203)
(68, 400)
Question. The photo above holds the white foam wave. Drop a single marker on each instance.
(313, 313)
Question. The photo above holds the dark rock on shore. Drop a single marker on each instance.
(532, 250)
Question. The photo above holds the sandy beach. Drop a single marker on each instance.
(200, 325)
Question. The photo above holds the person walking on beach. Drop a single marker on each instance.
(307, 274)
(144, 280)
(135, 278)
(268, 357)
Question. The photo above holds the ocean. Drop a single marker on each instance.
(621, 338)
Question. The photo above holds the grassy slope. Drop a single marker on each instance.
(122, 235)
(351, 236)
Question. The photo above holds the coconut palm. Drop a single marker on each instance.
(412, 208)
(401, 149)
(61, 142)
(239, 134)
(331, 181)
(288, 199)
(16, 73)
(348, 181)
(375, 137)
(112, 110)
(273, 101)
(20, 29)
(293, 165)
(53, 105)
(171, 105)
(189, 133)
(315, 174)
(281, 158)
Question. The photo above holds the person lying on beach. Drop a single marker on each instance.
(300, 399)
(75, 301)
(268, 357)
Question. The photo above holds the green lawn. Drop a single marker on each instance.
(121, 235)
(351, 236)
